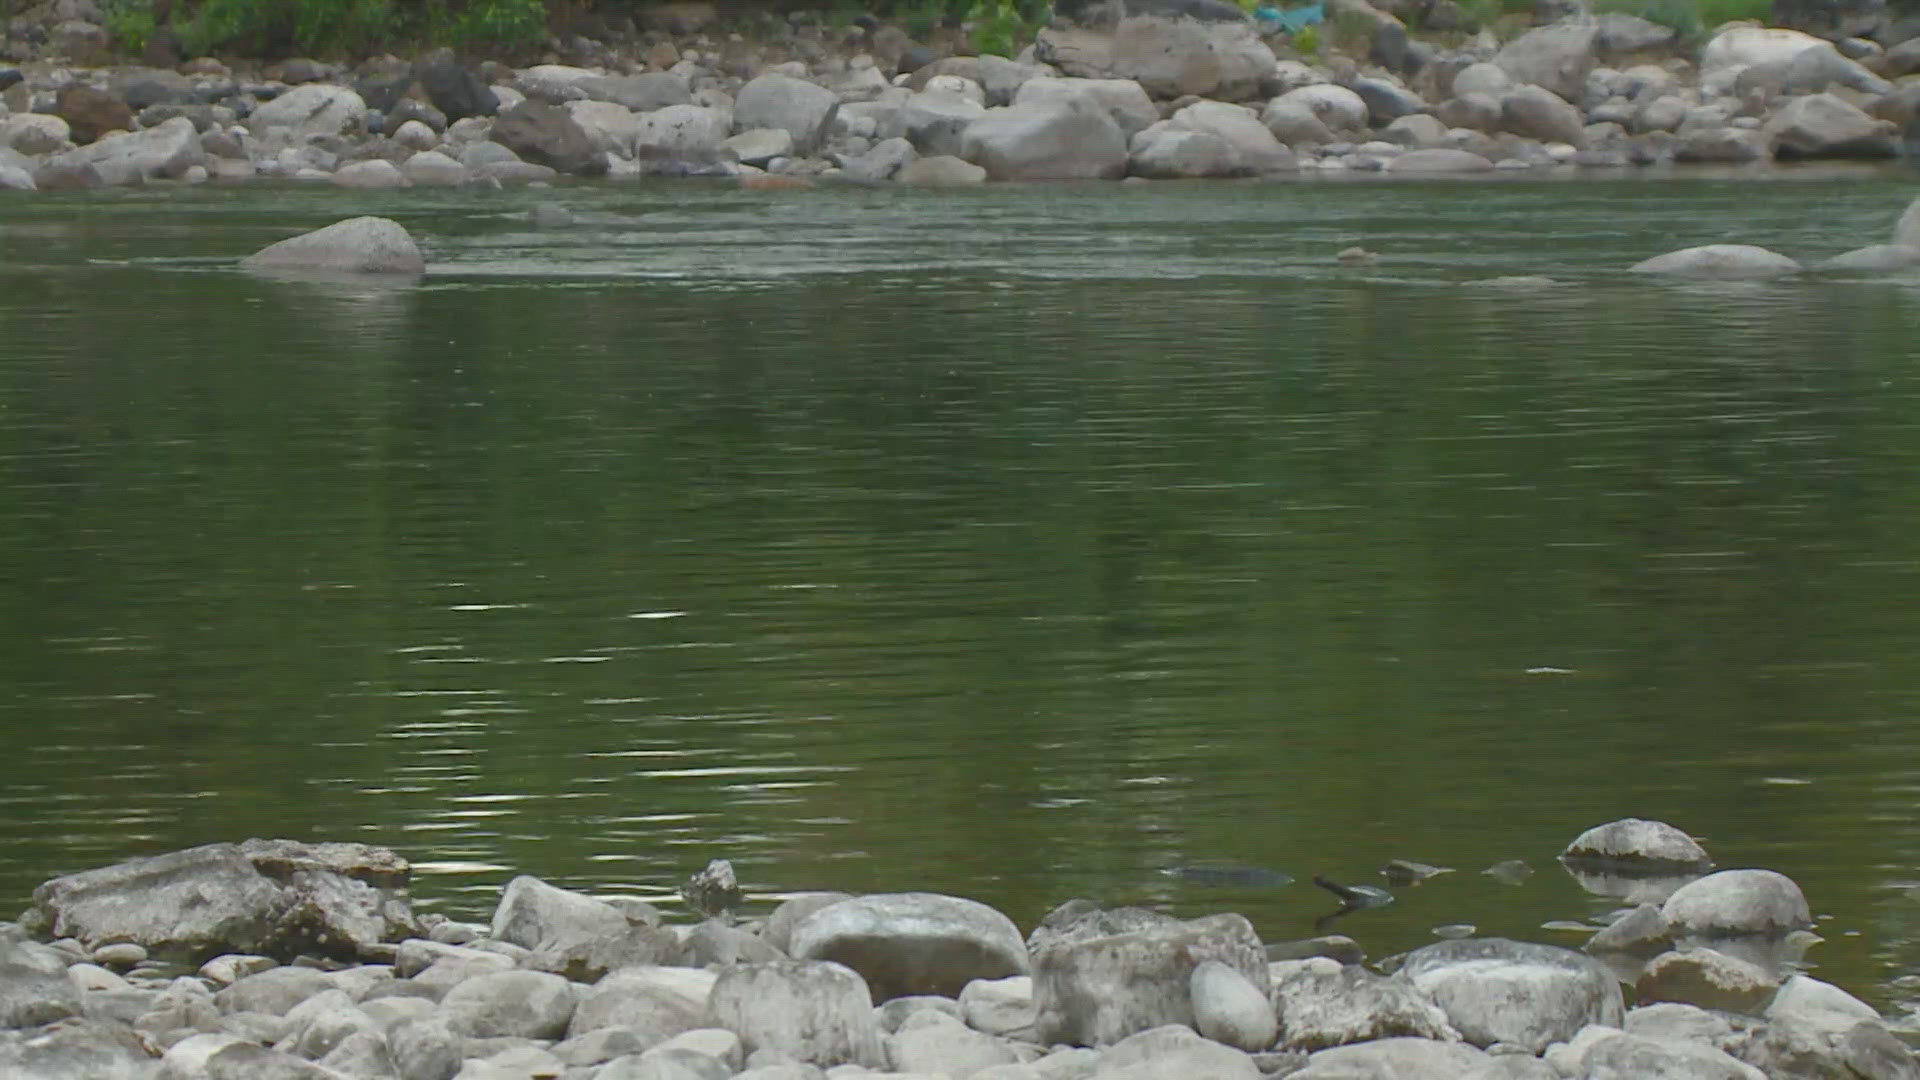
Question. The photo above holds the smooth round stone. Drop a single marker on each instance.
(120, 954)
(230, 968)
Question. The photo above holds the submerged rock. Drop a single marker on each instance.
(1719, 261)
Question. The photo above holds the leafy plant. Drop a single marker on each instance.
(132, 23)
(508, 25)
(1002, 27)
(1307, 41)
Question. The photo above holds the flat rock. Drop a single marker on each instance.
(1723, 262)
(1321, 1002)
(1439, 160)
(913, 943)
(362, 245)
(309, 110)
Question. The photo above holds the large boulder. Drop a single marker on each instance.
(204, 901)
(548, 135)
(1252, 143)
(91, 113)
(1494, 990)
(1707, 978)
(512, 1004)
(1534, 112)
(1827, 126)
(1123, 99)
(1068, 139)
(1166, 152)
(1600, 1052)
(655, 1003)
(168, 151)
(455, 89)
(933, 120)
(913, 943)
(1168, 58)
(1637, 843)
(1725, 262)
(1323, 1003)
(1100, 976)
(691, 136)
(1558, 57)
(611, 126)
(812, 1011)
(1745, 45)
(310, 110)
(1740, 901)
(34, 988)
(801, 108)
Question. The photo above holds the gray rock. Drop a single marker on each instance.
(539, 916)
(939, 171)
(1534, 112)
(1721, 145)
(323, 1022)
(1229, 1009)
(34, 988)
(1173, 1052)
(512, 173)
(813, 1011)
(376, 173)
(275, 991)
(1874, 258)
(690, 134)
(313, 109)
(946, 1048)
(933, 121)
(1391, 1059)
(803, 109)
(424, 1049)
(1826, 126)
(1619, 34)
(904, 1012)
(165, 151)
(715, 943)
(1321, 1002)
(547, 135)
(1733, 901)
(1100, 976)
(1253, 145)
(1494, 990)
(1416, 131)
(612, 127)
(1619, 1054)
(999, 1006)
(1165, 152)
(664, 1064)
(1806, 1000)
(758, 146)
(1641, 932)
(431, 168)
(884, 161)
(514, 1004)
(1473, 112)
(1168, 58)
(658, 1003)
(362, 1054)
(1294, 124)
(1386, 101)
(1654, 845)
(792, 911)
(1558, 57)
(1068, 139)
(1342, 110)
(362, 245)
(913, 943)
(1122, 99)
(644, 92)
(1709, 979)
(1439, 160)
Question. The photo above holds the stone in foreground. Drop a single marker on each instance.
(1495, 990)
(913, 943)
(1323, 1003)
(362, 245)
(813, 1011)
(1655, 845)
(1725, 262)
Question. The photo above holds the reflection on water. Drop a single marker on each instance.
(1022, 544)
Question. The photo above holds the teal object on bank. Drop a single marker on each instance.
(1292, 20)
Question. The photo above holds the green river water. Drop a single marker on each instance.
(1018, 543)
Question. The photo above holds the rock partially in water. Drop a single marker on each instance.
(1709, 979)
(1738, 902)
(913, 943)
(1872, 259)
(1725, 262)
(713, 892)
(543, 917)
(1637, 843)
(1642, 931)
(1402, 872)
(362, 245)
(1494, 990)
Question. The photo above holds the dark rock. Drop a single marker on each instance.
(1832, 18)
(1385, 101)
(383, 93)
(68, 176)
(413, 109)
(713, 891)
(8, 77)
(455, 89)
(91, 113)
(158, 88)
(202, 116)
(547, 135)
(916, 57)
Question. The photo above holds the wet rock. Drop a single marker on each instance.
(913, 943)
(1336, 947)
(1827, 126)
(311, 110)
(1168, 58)
(1397, 1057)
(940, 171)
(813, 1011)
(362, 245)
(1733, 901)
(515, 1004)
(1494, 990)
(1874, 258)
(91, 113)
(1641, 932)
(1709, 979)
(1067, 139)
(1557, 57)
(802, 109)
(548, 135)
(1173, 1052)
(1724, 904)
(1100, 976)
(1322, 1003)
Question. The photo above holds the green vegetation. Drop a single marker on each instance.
(331, 28)
(1691, 19)
(1307, 41)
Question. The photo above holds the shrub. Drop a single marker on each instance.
(131, 22)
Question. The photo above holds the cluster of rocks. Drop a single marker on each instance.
(1145, 96)
(1738, 262)
(284, 960)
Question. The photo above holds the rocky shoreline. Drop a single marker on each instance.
(1173, 90)
(280, 959)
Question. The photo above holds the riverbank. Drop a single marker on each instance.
(1142, 97)
(290, 959)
